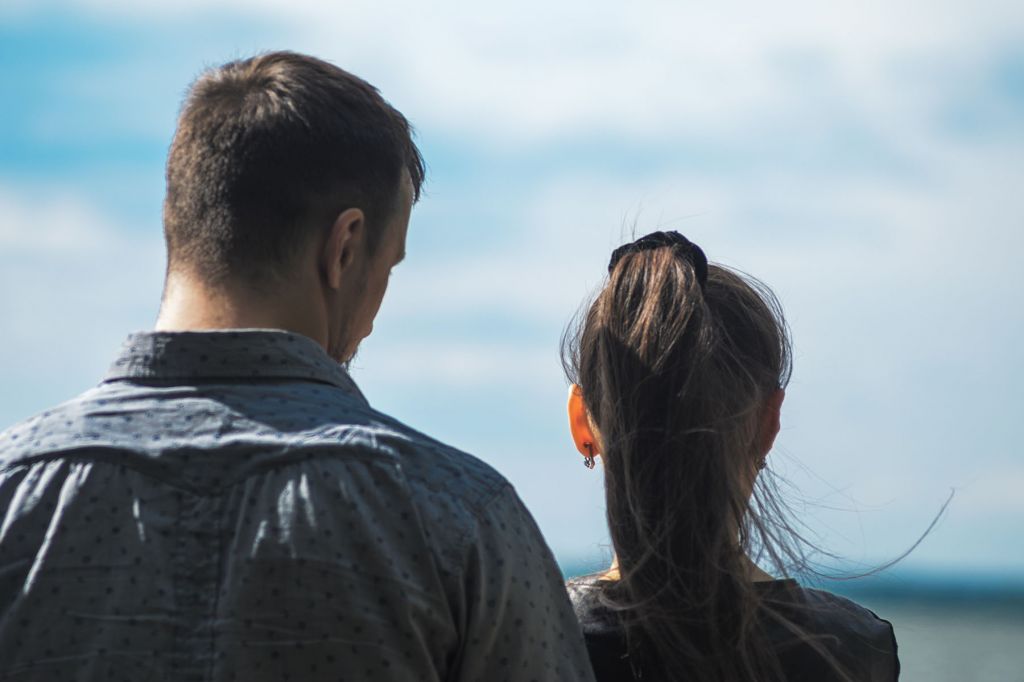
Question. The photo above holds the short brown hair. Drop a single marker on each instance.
(269, 149)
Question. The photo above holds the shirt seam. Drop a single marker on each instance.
(301, 455)
(491, 493)
(218, 581)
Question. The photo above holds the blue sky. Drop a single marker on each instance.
(864, 160)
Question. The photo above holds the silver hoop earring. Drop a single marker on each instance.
(588, 459)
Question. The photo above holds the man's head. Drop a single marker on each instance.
(279, 163)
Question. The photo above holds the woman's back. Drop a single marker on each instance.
(862, 644)
(679, 369)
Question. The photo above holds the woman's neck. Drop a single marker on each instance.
(754, 572)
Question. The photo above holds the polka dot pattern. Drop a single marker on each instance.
(227, 506)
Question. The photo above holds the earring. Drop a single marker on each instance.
(588, 459)
(762, 463)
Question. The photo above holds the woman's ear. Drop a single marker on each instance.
(579, 424)
(771, 420)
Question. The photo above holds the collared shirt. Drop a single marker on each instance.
(227, 506)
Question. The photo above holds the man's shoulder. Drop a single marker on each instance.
(55, 428)
(434, 470)
(456, 495)
(276, 426)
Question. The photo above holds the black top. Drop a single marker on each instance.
(862, 642)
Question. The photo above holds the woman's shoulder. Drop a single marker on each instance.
(858, 638)
(602, 629)
(818, 610)
(594, 616)
(823, 609)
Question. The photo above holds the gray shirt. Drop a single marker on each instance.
(227, 506)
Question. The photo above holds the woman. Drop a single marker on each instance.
(679, 371)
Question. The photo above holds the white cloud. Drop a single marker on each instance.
(893, 243)
(73, 284)
(44, 224)
(524, 74)
(455, 365)
(994, 493)
(903, 296)
(535, 72)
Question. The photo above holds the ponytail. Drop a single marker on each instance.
(676, 360)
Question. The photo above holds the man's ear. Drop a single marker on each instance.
(579, 424)
(344, 238)
(771, 420)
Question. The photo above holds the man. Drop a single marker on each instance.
(225, 505)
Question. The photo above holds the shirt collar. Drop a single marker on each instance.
(232, 354)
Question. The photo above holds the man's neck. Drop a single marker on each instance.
(191, 305)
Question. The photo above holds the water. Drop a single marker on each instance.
(955, 629)
(955, 643)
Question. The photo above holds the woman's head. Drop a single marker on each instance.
(680, 367)
(686, 359)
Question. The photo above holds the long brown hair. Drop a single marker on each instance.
(675, 371)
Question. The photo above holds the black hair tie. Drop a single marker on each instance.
(655, 240)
